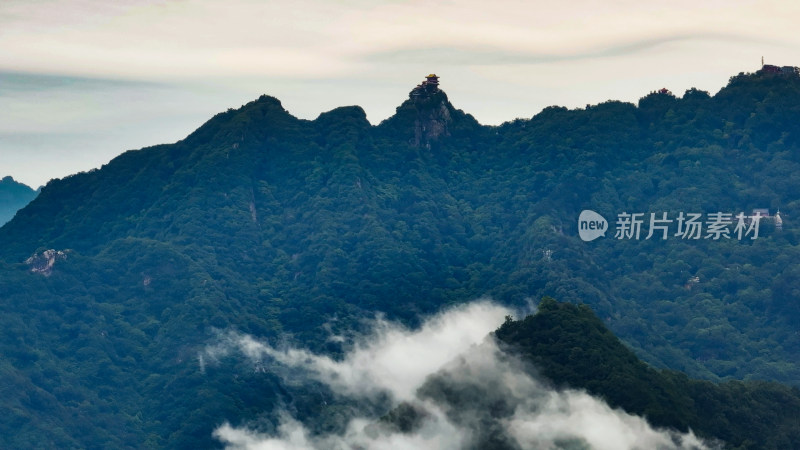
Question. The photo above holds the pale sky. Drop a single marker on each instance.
(81, 81)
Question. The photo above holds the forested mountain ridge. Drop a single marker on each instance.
(273, 226)
(565, 347)
(569, 345)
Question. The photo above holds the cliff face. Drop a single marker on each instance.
(426, 117)
(432, 110)
(431, 123)
(423, 118)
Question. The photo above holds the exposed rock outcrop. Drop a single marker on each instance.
(43, 262)
(431, 124)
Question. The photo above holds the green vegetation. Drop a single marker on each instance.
(275, 226)
(571, 346)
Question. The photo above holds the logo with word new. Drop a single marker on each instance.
(687, 226)
(591, 225)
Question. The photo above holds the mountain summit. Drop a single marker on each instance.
(429, 115)
(433, 111)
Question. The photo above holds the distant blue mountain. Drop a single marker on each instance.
(13, 197)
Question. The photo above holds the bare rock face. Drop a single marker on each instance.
(43, 262)
(433, 114)
(431, 124)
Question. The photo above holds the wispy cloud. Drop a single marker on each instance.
(393, 359)
(54, 125)
(318, 39)
(482, 56)
(465, 389)
(24, 83)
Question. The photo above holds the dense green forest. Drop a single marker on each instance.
(13, 196)
(291, 229)
(572, 347)
(566, 346)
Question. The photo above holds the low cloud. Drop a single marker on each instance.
(453, 387)
(392, 359)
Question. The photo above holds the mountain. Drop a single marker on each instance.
(13, 196)
(292, 230)
(569, 345)
(565, 349)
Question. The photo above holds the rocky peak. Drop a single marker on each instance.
(431, 124)
(432, 111)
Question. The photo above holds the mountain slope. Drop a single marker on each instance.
(294, 230)
(533, 374)
(572, 347)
